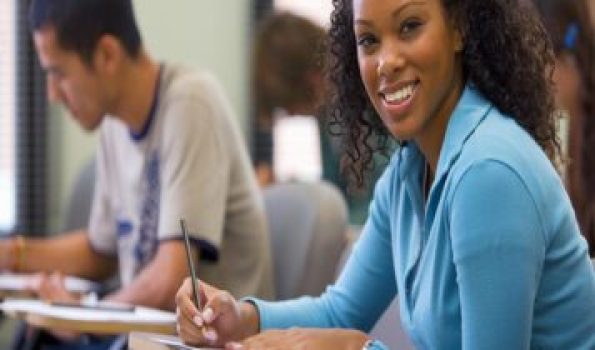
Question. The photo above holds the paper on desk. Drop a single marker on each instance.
(177, 344)
(152, 341)
(140, 315)
(18, 282)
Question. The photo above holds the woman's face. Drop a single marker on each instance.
(409, 63)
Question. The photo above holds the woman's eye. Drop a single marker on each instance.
(408, 27)
(366, 41)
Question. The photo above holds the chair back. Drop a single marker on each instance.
(81, 197)
(308, 225)
(388, 328)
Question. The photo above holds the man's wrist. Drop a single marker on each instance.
(18, 253)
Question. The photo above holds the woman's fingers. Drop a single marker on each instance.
(190, 333)
(185, 306)
(220, 303)
(194, 326)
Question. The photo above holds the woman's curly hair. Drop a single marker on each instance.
(507, 56)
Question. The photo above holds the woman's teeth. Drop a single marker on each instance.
(400, 95)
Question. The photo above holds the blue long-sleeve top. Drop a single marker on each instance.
(493, 260)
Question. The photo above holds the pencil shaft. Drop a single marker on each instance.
(190, 264)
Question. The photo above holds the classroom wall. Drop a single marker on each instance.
(207, 34)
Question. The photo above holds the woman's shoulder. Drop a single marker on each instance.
(501, 149)
(500, 138)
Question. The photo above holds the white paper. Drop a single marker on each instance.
(18, 282)
(140, 315)
(296, 150)
(177, 344)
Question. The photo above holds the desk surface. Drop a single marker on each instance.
(87, 320)
(14, 285)
(151, 341)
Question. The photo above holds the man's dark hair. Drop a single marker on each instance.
(79, 24)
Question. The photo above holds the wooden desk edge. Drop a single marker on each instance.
(96, 327)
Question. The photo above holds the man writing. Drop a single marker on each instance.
(169, 149)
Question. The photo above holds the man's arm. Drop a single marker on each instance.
(70, 253)
(158, 282)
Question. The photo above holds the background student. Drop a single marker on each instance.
(288, 80)
(290, 55)
(470, 225)
(572, 34)
(169, 149)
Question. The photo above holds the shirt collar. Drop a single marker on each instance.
(137, 137)
(469, 112)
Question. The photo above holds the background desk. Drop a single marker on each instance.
(43, 315)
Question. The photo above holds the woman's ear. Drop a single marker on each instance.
(458, 40)
(458, 35)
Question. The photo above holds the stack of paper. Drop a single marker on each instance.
(90, 319)
(16, 284)
(148, 341)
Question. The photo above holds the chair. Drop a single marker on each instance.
(388, 328)
(81, 197)
(308, 225)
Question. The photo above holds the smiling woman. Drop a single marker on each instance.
(470, 226)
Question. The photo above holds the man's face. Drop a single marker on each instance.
(70, 81)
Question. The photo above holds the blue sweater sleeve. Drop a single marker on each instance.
(364, 289)
(498, 250)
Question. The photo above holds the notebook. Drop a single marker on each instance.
(150, 341)
(12, 284)
(89, 319)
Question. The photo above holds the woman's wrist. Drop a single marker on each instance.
(372, 344)
(360, 339)
(250, 319)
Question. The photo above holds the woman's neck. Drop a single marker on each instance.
(432, 136)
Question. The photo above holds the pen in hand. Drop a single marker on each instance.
(190, 265)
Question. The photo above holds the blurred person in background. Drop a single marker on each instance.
(289, 81)
(572, 33)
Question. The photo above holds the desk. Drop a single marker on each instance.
(43, 315)
(150, 341)
(13, 285)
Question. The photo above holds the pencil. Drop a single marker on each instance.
(190, 264)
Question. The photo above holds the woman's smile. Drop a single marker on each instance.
(397, 99)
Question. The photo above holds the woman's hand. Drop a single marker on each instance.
(222, 319)
(303, 338)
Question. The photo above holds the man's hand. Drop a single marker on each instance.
(51, 288)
